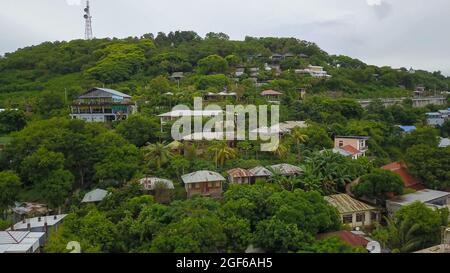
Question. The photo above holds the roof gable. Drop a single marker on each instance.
(202, 176)
(103, 93)
(346, 204)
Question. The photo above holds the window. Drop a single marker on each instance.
(347, 219)
(341, 143)
(360, 217)
(374, 216)
(210, 185)
(218, 184)
(197, 185)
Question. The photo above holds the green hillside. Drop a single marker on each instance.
(129, 64)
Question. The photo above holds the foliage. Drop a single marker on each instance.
(413, 227)
(379, 184)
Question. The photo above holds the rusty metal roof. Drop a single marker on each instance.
(346, 204)
(286, 169)
(238, 172)
(260, 172)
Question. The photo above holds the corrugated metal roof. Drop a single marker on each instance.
(104, 93)
(271, 93)
(423, 196)
(39, 222)
(151, 183)
(12, 237)
(96, 195)
(346, 236)
(260, 172)
(286, 169)
(202, 176)
(346, 204)
(238, 172)
(401, 169)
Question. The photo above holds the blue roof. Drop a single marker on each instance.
(407, 128)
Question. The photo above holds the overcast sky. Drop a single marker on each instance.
(408, 33)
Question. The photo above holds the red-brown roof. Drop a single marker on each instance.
(408, 180)
(346, 236)
(238, 172)
(351, 149)
(271, 93)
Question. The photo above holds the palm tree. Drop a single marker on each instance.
(245, 146)
(299, 138)
(221, 152)
(158, 152)
(281, 151)
(402, 237)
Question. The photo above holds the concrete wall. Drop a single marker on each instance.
(417, 102)
(367, 219)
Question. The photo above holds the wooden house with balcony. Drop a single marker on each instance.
(102, 105)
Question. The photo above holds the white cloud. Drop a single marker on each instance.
(73, 2)
(383, 32)
(374, 2)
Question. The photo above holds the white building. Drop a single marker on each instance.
(431, 198)
(314, 71)
(21, 241)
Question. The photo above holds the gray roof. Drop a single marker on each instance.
(445, 142)
(96, 195)
(103, 93)
(39, 222)
(423, 196)
(286, 169)
(150, 183)
(260, 172)
(19, 241)
(202, 176)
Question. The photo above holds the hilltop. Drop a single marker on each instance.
(130, 64)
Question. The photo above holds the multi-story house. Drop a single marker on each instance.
(102, 105)
(354, 146)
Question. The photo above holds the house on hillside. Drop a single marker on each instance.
(239, 176)
(23, 210)
(438, 118)
(176, 114)
(45, 224)
(153, 183)
(203, 183)
(272, 95)
(260, 174)
(281, 129)
(314, 71)
(408, 180)
(286, 169)
(95, 196)
(21, 242)
(351, 146)
(102, 105)
(354, 213)
(348, 237)
(444, 142)
(407, 128)
(431, 198)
